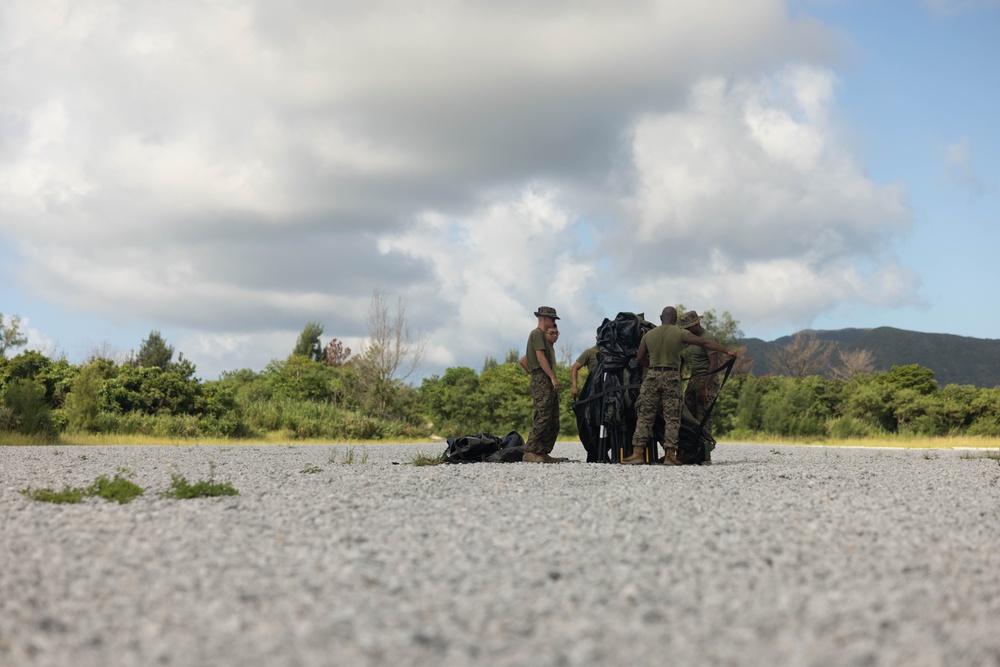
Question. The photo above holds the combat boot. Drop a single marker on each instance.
(670, 459)
(638, 456)
(532, 457)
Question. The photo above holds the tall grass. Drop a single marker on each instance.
(309, 420)
(421, 459)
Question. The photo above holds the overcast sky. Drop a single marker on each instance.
(226, 171)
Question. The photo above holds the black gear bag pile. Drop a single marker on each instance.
(605, 408)
(485, 448)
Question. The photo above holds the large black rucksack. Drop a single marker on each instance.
(605, 407)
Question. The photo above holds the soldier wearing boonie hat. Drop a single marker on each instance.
(540, 359)
(689, 319)
(702, 387)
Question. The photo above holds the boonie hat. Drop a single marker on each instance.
(688, 320)
(546, 311)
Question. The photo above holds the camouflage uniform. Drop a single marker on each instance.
(544, 398)
(660, 393)
(545, 421)
(692, 397)
(697, 359)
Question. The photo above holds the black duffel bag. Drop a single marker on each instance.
(485, 448)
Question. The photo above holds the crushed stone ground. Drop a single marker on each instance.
(775, 555)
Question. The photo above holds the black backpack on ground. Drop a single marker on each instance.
(485, 447)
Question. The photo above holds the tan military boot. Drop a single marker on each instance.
(670, 458)
(638, 456)
(532, 457)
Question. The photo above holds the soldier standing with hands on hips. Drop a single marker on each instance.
(540, 357)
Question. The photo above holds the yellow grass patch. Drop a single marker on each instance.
(897, 441)
(8, 439)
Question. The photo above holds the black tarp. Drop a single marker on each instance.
(605, 407)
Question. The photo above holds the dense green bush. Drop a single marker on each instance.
(8, 420)
(726, 415)
(29, 412)
(84, 404)
(750, 405)
(455, 402)
(152, 390)
(847, 427)
(302, 398)
(54, 377)
(498, 401)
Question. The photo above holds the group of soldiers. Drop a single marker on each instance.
(663, 351)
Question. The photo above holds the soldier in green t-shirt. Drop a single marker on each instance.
(660, 350)
(587, 358)
(551, 335)
(540, 360)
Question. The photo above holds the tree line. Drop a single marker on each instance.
(327, 392)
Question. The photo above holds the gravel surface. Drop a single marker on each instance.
(772, 556)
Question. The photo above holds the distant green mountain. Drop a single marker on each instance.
(954, 359)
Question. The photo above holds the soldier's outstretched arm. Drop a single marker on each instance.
(691, 339)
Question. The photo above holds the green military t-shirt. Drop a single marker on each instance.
(664, 344)
(695, 357)
(588, 358)
(538, 341)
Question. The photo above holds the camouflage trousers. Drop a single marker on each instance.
(660, 394)
(697, 399)
(545, 421)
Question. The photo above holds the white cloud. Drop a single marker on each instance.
(237, 169)
(495, 267)
(36, 339)
(747, 201)
(960, 169)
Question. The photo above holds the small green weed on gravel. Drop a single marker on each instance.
(421, 459)
(69, 494)
(930, 456)
(311, 470)
(995, 456)
(348, 457)
(181, 489)
(118, 489)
